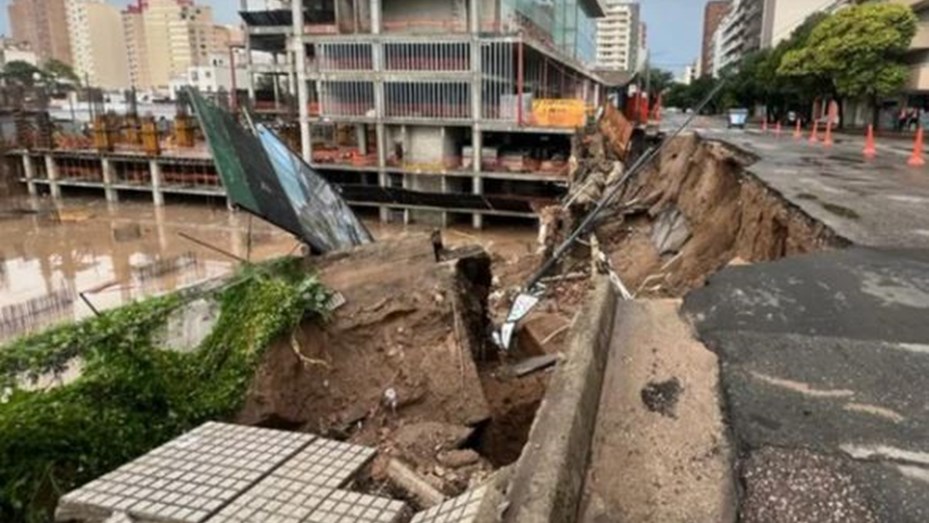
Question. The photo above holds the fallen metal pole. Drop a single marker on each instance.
(607, 198)
(212, 247)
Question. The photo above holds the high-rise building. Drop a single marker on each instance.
(98, 45)
(165, 38)
(618, 36)
(43, 24)
(713, 16)
(136, 47)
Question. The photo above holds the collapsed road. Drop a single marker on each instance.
(787, 387)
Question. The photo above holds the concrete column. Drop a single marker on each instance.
(275, 79)
(108, 178)
(361, 136)
(407, 184)
(376, 17)
(29, 171)
(303, 94)
(443, 220)
(476, 79)
(158, 197)
(52, 169)
(249, 63)
(477, 143)
(474, 21)
(381, 145)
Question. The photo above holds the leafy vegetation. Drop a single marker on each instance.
(56, 73)
(856, 53)
(131, 396)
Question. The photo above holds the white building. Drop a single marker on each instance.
(214, 77)
(619, 36)
(11, 51)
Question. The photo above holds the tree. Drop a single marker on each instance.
(21, 72)
(659, 80)
(60, 72)
(860, 50)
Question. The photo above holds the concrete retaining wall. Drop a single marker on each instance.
(547, 480)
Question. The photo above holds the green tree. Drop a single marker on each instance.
(659, 80)
(860, 50)
(60, 73)
(21, 72)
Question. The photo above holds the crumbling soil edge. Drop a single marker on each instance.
(836, 240)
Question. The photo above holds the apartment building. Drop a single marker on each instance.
(918, 55)
(713, 15)
(760, 24)
(619, 36)
(166, 37)
(430, 110)
(43, 24)
(98, 44)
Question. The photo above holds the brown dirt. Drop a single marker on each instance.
(729, 213)
(513, 405)
(418, 328)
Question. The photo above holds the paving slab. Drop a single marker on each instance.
(231, 473)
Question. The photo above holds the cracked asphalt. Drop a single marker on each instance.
(824, 358)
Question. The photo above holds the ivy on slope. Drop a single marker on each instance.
(130, 396)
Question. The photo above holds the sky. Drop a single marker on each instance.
(675, 31)
(674, 27)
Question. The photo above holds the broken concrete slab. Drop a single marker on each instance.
(668, 463)
(670, 231)
(547, 480)
(535, 364)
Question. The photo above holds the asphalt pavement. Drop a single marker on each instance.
(824, 358)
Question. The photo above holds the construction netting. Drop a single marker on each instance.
(262, 176)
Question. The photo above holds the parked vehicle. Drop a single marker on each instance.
(738, 118)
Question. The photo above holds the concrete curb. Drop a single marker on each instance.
(547, 480)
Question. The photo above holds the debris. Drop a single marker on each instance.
(458, 458)
(126, 233)
(662, 397)
(390, 399)
(670, 232)
(534, 364)
(404, 478)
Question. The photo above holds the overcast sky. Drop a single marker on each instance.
(674, 27)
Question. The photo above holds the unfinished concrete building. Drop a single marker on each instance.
(432, 111)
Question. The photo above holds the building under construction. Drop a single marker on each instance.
(431, 110)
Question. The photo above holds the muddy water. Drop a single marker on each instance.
(51, 254)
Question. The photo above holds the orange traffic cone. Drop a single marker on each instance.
(814, 136)
(917, 160)
(777, 129)
(869, 148)
(798, 132)
(827, 141)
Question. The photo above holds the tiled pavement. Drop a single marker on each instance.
(221, 473)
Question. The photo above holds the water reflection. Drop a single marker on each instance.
(51, 252)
